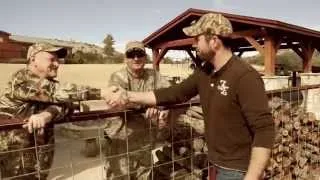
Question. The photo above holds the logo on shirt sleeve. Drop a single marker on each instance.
(223, 88)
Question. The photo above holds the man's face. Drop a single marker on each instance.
(46, 64)
(135, 59)
(204, 49)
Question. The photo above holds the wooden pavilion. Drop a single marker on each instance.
(250, 34)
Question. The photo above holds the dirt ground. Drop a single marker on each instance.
(95, 75)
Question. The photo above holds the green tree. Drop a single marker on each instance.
(80, 57)
(108, 45)
(116, 58)
(316, 59)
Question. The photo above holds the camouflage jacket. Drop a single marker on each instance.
(27, 93)
(149, 80)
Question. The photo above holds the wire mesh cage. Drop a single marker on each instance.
(141, 149)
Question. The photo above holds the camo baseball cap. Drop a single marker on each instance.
(46, 47)
(131, 45)
(211, 23)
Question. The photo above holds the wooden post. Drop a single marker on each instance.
(270, 52)
(305, 51)
(155, 54)
(307, 60)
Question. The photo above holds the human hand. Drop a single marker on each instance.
(38, 121)
(116, 97)
(157, 116)
(152, 113)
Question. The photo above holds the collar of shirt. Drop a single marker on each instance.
(224, 67)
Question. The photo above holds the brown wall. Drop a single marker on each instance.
(9, 49)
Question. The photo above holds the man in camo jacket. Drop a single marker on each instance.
(139, 130)
(36, 97)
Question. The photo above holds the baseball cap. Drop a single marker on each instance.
(46, 47)
(212, 23)
(135, 45)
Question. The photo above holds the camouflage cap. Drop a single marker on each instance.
(135, 45)
(211, 23)
(46, 47)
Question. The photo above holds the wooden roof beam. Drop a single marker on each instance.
(175, 43)
(190, 41)
(255, 44)
(305, 51)
(251, 33)
(158, 56)
(302, 50)
(240, 53)
(190, 54)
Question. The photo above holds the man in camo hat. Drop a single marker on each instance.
(35, 96)
(238, 124)
(138, 127)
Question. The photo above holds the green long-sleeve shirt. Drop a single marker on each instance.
(235, 108)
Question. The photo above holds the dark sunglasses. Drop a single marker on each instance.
(133, 54)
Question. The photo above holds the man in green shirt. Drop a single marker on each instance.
(139, 129)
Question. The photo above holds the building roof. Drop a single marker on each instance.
(4, 33)
(32, 40)
(85, 47)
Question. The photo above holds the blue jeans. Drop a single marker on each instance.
(227, 174)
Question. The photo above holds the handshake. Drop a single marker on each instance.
(119, 98)
(116, 97)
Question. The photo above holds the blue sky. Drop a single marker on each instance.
(90, 21)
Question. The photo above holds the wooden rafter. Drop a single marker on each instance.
(298, 51)
(255, 44)
(303, 50)
(250, 33)
(160, 56)
(191, 55)
(240, 53)
(282, 46)
(175, 43)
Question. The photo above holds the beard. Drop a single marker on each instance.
(206, 56)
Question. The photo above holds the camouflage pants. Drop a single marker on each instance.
(129, 151)
(19, 159)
